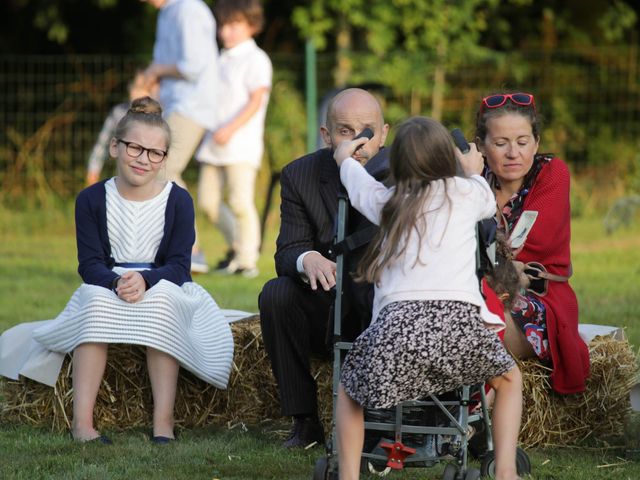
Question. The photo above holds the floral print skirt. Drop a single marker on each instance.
(415, 348)
(530, 315)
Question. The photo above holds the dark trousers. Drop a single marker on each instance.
(294, 322)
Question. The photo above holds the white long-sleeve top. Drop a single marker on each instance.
(446, 268)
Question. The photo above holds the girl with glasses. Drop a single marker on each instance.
(134, 235)
(543, 319)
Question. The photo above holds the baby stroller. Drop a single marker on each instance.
(415, 433)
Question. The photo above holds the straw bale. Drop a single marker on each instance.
(125, 400)
(599, 413)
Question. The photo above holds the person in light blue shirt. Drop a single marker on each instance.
(184, 64)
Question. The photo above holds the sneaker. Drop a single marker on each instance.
(234, 269)
(226, 261)
(198, 263)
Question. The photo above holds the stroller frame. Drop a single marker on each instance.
(392, 453)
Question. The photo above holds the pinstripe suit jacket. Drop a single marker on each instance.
(309, 206)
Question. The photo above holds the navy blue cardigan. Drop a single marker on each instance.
(173, 259)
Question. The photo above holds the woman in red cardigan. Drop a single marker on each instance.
(543, 319)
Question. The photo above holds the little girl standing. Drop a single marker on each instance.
(427, 334)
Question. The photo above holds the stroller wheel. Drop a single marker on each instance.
(488, 467)
(523, 464)
(450, 472)
(375, 468)
(472, 474)
(321, 469)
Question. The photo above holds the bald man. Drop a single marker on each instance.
(295, 306)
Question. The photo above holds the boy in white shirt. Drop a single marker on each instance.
(230, 155)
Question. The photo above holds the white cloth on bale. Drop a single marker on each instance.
(182, 321)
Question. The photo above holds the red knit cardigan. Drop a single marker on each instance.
(548, 244)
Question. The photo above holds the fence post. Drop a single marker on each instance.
(311, 93)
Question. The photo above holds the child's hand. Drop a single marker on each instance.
(347, 148)
(222, 135)
(472, 162)
(131, 287)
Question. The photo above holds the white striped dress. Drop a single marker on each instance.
(184, 322)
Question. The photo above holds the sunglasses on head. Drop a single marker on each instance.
(498, 100)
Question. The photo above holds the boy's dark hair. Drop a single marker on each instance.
(227, 11)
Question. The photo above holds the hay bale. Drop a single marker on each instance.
(599, 413)
(125, 401)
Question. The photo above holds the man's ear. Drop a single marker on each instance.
(383, 135)
(326, 136)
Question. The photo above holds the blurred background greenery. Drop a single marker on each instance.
(65, 63)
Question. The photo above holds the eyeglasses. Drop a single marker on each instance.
(498, 100)
(134, 150)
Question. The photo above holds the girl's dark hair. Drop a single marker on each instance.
(227, 11)
(485, 114)
(144, 110)
(422, 152)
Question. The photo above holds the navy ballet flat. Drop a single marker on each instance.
(103, 439)
(160, 440)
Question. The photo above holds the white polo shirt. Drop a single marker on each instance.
(242, 69)
(186, 37)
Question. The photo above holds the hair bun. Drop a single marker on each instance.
(145, 105)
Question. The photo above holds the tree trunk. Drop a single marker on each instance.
(342, 72)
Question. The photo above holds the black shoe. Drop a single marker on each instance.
(102, 439)
(160, 440)
(224, 263)
(306, 431)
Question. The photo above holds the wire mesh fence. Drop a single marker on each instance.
(52, 107)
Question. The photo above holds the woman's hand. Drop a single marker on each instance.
(472, 162)
(347, 148)
(131, 287)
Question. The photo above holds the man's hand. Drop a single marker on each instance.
(156, 71)
(347, 148)
(131, 287)
(319, 269)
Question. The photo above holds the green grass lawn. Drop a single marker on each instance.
(38, 275)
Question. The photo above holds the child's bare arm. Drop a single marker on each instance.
(222, 135)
